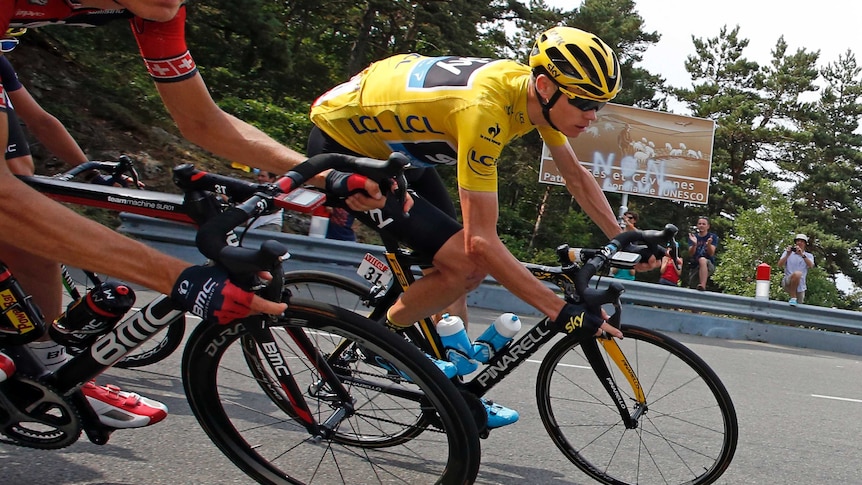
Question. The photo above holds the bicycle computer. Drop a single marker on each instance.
(301, 200)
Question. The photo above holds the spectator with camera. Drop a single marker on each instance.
(702, 245)
(796, 261)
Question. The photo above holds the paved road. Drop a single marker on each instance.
(799, 413)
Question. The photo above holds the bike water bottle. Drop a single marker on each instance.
(498, 334)
(93, 315)
(457, 343)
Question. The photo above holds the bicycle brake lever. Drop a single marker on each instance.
(401, 192)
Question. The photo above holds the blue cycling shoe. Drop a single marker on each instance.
(499, 416)
(446, 367)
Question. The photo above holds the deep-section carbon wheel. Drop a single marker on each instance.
(329, 288)
(686, 434)
(404, 422)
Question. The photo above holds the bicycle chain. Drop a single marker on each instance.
(429, 426)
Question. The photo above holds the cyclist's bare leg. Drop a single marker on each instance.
(39, 277)
(446, 287)
(458, 307)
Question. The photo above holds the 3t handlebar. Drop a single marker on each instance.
(642, 243)
(216, 225)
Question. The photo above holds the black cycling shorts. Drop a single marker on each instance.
(432, 220)
(17, 145)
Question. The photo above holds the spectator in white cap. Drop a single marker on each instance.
(796, 261)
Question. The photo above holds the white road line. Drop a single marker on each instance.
(837, 398)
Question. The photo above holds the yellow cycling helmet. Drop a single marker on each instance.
(580, 63)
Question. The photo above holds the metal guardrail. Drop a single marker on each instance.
(663, 308)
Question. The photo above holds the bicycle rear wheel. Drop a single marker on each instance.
(687, 435)
(252, 421)
(329, 288)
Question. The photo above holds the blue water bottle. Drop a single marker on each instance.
(457, 343)
(498, 334)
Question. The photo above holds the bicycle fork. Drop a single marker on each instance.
(266, 343)
(590, 347)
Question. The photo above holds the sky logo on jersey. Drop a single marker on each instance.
(420, 72)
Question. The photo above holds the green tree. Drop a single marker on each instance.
(825, 170)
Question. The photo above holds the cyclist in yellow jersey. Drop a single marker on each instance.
(462, 111)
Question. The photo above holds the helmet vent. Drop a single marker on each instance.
(586, 63)
(562, 64)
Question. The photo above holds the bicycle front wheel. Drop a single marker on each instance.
(252, 421)
(687, 433)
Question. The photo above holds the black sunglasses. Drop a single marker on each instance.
(586, 104)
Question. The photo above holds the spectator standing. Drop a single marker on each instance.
(701, 250)
(669, 271)
(275, 220)
(629, 223)
(796, 261)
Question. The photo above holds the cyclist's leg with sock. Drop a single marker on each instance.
(447, 287)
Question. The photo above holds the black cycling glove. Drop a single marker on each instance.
(207, 292)
(579, 321)
(342, 184)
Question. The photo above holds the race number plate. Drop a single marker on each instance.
(374, 270)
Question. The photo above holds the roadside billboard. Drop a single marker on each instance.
(643, 152)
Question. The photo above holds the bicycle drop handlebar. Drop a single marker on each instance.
(123, 166)
(257, 198)
(637, 244)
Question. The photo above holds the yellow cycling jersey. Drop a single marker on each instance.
(436, 110)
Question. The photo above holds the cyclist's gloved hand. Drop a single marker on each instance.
(342, 184)
(578, 320)
(207, 292)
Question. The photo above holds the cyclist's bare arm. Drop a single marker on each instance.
(202, 122)
(584, 188)
(32, 222)
(483, 245)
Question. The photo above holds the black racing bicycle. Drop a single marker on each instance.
(644, 409)
(299, 398)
